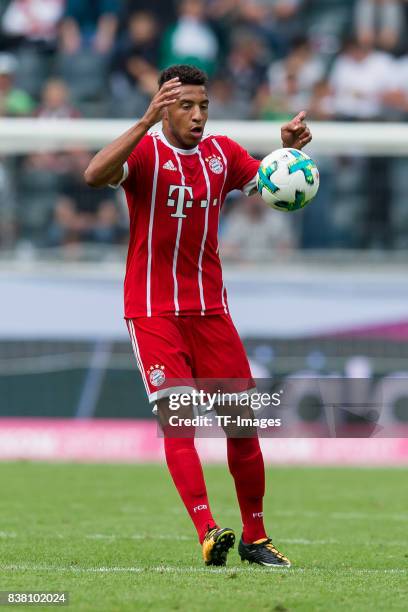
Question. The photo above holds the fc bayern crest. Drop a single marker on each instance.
(156, 375)
(215, 163)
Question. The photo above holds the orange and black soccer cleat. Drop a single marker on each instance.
(262, 552)
(216, 545)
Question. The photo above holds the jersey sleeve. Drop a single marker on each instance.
(134, 166)
(242, 168)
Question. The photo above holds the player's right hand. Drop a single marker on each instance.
(168, 94)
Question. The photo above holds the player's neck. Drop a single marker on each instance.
(174, 141)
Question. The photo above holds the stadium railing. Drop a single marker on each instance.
(26, 135)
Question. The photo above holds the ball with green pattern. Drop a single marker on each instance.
(287, 179)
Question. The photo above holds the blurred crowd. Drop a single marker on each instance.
(267, 59)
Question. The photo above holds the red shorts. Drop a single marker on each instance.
(172, 353)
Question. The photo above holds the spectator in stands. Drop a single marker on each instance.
(83, 214)
(360, 77)
(86, 44)
(379, 22)
(13, 100)
(224, 17)
(291, 82)
(164, 12)
(276, 105)
(252, 231)
(225, 105)
(303, 65)
(246, 66)
(89, 25)
(55, 102)
(134, 66)
(33, 21)
(278, 20)
(221, 9)
(190, 40)
(396, 100)
(321, 104)
(140, 42)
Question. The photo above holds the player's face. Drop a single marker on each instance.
(185, 119)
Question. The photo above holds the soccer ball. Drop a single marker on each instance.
(287, 179)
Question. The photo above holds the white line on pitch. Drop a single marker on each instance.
(186, 570)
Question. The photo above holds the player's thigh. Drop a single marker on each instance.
(218, 350)
(162, 355)
(221, 365)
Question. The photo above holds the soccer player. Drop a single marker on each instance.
(176, 179)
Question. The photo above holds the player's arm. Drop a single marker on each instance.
(107, 166)
(296, 134)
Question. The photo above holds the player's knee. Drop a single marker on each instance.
(175, 423)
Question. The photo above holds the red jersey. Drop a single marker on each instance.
(175, 198)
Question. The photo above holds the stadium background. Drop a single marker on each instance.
(315, 293)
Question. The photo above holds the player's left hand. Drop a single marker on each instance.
(296, 134)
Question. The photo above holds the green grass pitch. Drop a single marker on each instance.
(117, 539)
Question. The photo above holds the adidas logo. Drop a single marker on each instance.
(169, 166)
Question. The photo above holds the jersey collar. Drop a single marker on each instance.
(181, 151)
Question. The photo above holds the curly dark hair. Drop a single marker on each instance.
(188, 75)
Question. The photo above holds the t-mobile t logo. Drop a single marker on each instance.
(202, 507)
(182, 201)
(257, 514)
(179, 203)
